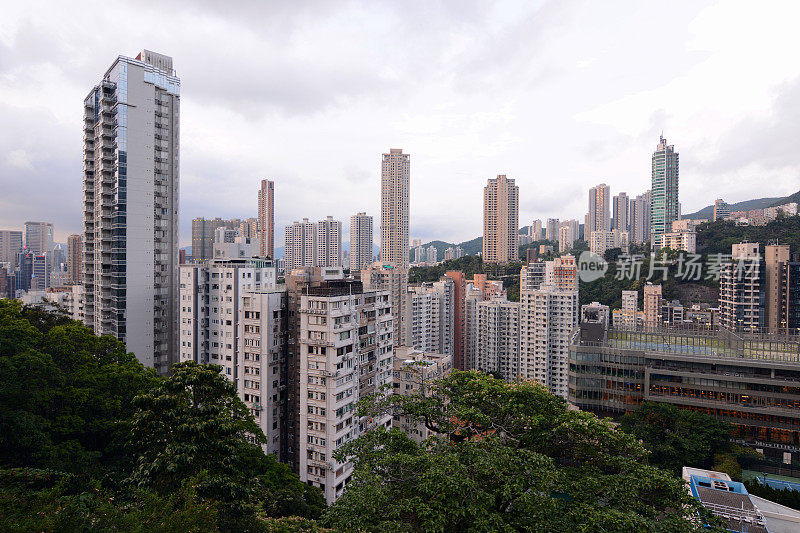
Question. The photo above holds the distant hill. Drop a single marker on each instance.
(759, 203)
(792, 198)
(470, 247)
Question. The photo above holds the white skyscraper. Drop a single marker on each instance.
(130, 206)
(599, 209)
(360, 241)
(329, 243)
(431, 311)
(300, 248)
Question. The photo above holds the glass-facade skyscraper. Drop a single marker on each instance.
(130, 206)
(664, 208)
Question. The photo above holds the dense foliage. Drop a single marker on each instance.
(718, 237)
(680, 437)
(90, 440)
(504, 457)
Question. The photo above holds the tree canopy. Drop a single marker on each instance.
(505, 457)
(91, 440)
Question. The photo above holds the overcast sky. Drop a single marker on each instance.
(559, 95)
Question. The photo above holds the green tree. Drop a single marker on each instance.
(64, 393)
(680, 437)
(504, 457)
(194, 426)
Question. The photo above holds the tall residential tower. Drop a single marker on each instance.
(395, 178)
(500, 220)
(266, 217)
(664, 192)
(130, 206)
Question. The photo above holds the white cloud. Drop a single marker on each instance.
(559, 95)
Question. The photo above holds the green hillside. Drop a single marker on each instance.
(759, 203)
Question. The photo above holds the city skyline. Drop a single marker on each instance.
(459, 137)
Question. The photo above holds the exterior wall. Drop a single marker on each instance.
(459, 293)
(738, 378)
(266, 218)
(345, 352)
(360, 242)
(497, 337)
(740, 290)
(262, 347)
(664, 192)
(131, 146)
(548, 317)
(10, 246)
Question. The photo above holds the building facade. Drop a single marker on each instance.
(664, 207)
(395, 182)
(130, 206)
(346, 352)
(39, 237)
(360, 242)
(266, 217)
(10, 246)
(500, 220)
(599, 208)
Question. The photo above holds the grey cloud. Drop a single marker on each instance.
(770, 142)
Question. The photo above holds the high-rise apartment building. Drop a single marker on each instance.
(621, 212)
(599, 208)
(740, 289)
(431, 312)
(204, 231)
(640, 218)
(471, 298)
(630, 308)
(567, 235)
(532, 276)
(232, 314)
(721, 209)
(74, 258)
(536, 230)
(664, 191)
(360, 242)
(131, 176)
(562, 273)
(775, 257)
(385, 276)
(497, 324)
(652, 305)
(39, 237)
(266, 217)
(395, 180)
(432, 255)
(300, 249)
(329, 243)
(459, 294)
(548, 317)
(500, 220)
(346, 353)
(10, 246)
(551, 231)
